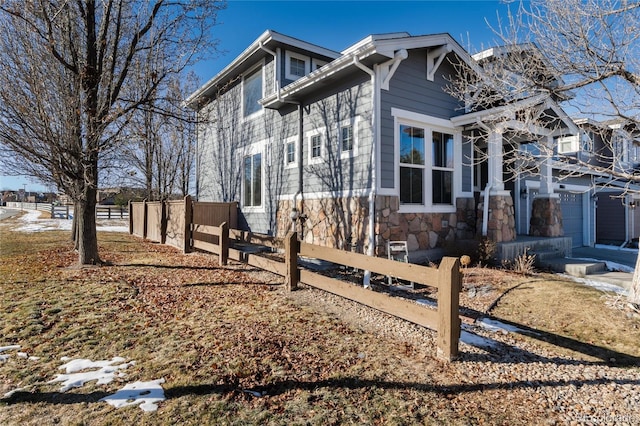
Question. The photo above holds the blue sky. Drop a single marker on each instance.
(336, 25)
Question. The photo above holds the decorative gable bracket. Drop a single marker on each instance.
(435, 58)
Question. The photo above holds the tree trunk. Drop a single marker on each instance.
(87, 235)
(634, 291)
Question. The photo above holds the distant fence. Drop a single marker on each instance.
(169, 222)
(66, 211)
(210, 227)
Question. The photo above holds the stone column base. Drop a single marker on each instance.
(501, 226)
(546, 218)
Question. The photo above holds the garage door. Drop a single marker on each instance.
(572, 215)
(571, 205)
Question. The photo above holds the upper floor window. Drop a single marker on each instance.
(252, 92)
(290, 152)
(316, 146)
(346, 138)
(568, 144)
(296, 65)
(317, 64)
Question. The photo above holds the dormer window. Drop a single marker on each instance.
(296, 66)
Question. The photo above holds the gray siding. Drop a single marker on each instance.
(225, 137)
(339, 105)
(410, 90)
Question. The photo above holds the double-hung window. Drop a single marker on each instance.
(412, 165)
(296, 65)
(316, 146)
(252, 191)
(346, 138)
(291, 152)
(427, 154)
(442, 168)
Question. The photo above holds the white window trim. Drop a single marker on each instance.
(573, 141)
(323, 145)
(316, 64)
(354, 123)
(294, 163)
(253, 149)
(430, 124)
(262, 76)
(288, 55)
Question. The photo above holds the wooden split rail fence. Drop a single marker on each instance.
(241, 246)
(445, 320)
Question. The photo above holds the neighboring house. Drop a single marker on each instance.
(357, 148)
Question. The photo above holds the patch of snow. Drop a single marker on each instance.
(427, 302)
(255, 393)
(498, 326)
(598, 285)
(76, 376)
(3, 358)
(11, 392)
(477, 341)
(145, 394)
(33, 223)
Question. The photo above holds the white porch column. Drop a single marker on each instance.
(494, 165)
(546, 170)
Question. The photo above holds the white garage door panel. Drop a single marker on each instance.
(572, 215)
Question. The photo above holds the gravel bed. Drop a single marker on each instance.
(562, 389)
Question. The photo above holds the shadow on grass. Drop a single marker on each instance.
(54, 398)
(350, 383)
(504, 353)
(353, 383)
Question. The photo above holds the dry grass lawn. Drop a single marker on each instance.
(214, 333)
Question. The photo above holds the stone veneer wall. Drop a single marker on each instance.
(344, 222)
(422, 231)
(546, 218)
(501, 225)
(333, 222)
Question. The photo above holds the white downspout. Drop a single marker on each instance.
(485, 210)
(276, 68)
(487, 189)
(375, 108)
(372, 193)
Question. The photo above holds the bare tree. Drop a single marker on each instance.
(581, 54)
(71, 73)
(160, 140)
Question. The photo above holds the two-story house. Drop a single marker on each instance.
(357, 148)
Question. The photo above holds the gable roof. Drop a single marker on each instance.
(250, 55)
(375, 48)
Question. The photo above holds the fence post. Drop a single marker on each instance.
(449, 283)
(130, 218)
(224, 243)
(144, 219)
(188, 218)
(53, 211)
(291, 249)
(163, 221)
